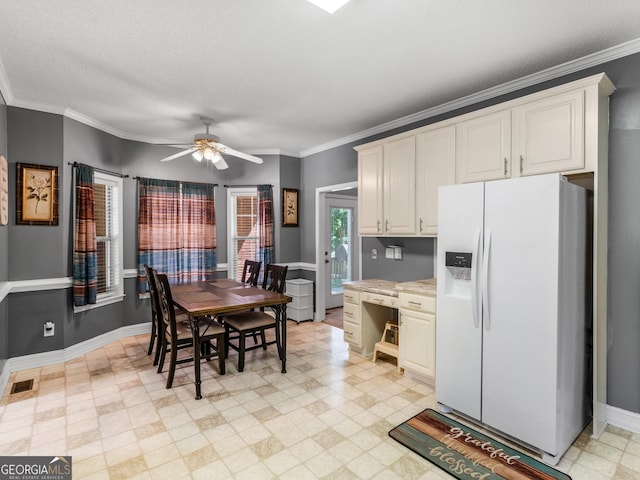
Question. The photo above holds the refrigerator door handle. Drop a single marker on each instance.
(485, 280)
(475, 308)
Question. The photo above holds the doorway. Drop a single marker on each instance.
(321, 236)
(340, 246)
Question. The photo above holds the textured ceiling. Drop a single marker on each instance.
(283, 74)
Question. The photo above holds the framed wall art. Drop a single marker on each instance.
(4, 191)
(36, 194)
(289, 207)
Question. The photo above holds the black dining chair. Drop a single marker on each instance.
(251, 272)
(239, 325)
(154, 315)
(155, 339)
(178, 336)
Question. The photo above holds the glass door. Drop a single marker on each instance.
(340, 247)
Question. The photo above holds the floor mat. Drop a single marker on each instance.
(465, 453)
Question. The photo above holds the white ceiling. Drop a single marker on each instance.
(284, 74)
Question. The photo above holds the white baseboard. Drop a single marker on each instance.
(37, 360)
(623, 419)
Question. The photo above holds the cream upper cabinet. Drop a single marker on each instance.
(483, 148)
(386, 188)
(435, 167)
(549, 134)
(399, 187)
(563, 129)
(370, 197)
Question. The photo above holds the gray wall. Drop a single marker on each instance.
(290, 236)
(4, 251)
(416, 263)
(35, 137)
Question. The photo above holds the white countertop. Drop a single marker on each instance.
(426, 287)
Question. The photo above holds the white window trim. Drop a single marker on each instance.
(118, 294)
(231, 218)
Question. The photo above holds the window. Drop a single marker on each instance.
(107, 205)
(108, 214)
(242, 228)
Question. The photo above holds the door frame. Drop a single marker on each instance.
(320, 221)
(330, 199)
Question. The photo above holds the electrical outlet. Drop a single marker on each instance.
(374, 253)
(49, 329)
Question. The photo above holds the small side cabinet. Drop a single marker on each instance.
(301, 306)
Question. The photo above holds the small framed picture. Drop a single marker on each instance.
(289, 207)
(4, 191)
(37, 194)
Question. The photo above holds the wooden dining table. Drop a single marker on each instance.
(220, 297)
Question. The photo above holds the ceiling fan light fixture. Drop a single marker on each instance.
(198, 155)
(209, 153)
(330, 6)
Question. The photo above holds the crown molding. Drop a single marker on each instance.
(594, 59)
(5, 86)
(598, 58)
(271, 151)
(91, 122)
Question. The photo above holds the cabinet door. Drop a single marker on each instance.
(417, 342)
(483, 148)
(550, 134)
(370, 191)
(435, 167)
(399, 187)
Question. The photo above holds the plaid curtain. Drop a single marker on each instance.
(176, 230)
(266, 246)
(198, 232)
(85, 257)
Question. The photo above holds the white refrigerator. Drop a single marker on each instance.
(511, 327)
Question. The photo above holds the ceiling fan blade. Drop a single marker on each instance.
(224, 149)
(179, 154)
(219, 162)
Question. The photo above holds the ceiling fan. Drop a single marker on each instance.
(208, 146)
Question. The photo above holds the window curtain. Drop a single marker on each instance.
(199, 232)
(266, 246)
(85, 256)
(176, 230)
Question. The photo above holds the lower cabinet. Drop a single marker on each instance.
(365, 315)
(417, 341)
(351, 319)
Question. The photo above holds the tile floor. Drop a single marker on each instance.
(328, 417)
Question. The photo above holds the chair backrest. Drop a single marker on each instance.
(153, 293)
(167, 311)
(251, 272)
(274, 278)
